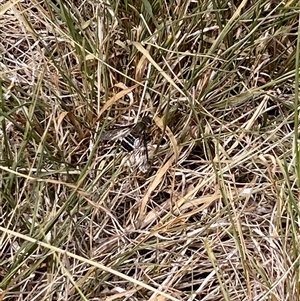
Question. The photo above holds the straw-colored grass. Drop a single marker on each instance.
(216, 215)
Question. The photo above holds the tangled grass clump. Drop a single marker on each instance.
(214, 216)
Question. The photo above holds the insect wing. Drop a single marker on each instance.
(115, 134)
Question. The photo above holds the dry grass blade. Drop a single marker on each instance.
(114, 99)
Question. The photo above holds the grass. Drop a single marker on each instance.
(215, 217)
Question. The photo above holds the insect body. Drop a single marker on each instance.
(133, 138)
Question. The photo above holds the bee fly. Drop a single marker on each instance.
(133, 138)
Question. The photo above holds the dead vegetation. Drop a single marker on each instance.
(216, 215)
